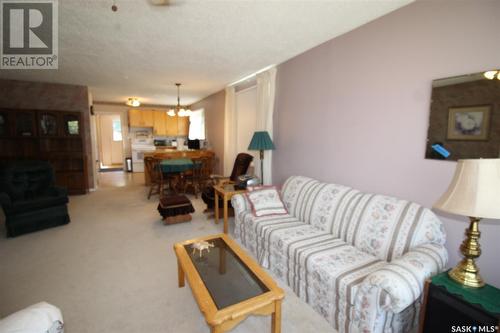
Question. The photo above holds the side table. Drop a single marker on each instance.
(450, 307)
(226, 192)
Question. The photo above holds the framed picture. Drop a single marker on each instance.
(469, 123)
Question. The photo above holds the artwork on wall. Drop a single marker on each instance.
(468, 122)
(464, 119)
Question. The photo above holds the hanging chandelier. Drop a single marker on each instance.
(179, 110)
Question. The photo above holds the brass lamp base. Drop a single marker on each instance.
(467, 272)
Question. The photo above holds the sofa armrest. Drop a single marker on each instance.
(242, 209)
(240, 204)
(399, 283)
(5, 200)
(40, 317)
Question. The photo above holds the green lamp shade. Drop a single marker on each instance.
(261, 141)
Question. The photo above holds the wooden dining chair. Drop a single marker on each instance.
(206, 172)
(156, 176)
(191, 178)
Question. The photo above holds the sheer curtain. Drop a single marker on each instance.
(266, 88)
(266, 82)
(230, 129)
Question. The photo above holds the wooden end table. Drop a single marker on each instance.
(226, 191)
(227, 284)
(451, 307)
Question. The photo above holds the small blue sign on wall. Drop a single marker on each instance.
(441, 150)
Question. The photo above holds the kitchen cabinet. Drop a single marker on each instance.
(172, 129)
(160, 123)
(141, 118)
(183, 126)
(134, 118)
(148, 118)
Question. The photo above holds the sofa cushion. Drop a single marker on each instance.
(297, 194)
(329, 207)
(41, 202)
(291, 241)
(387, 227)
(327, 275)
(251, 229)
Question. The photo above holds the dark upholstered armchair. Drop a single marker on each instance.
(240, 167)
(29, 198)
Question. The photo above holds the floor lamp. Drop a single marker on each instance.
(261, 141)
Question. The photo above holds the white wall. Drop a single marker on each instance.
(355, 110)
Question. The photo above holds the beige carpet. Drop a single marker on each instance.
(112, 269)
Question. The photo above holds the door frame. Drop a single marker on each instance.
(98, 115)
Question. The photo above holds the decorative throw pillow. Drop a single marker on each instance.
(266, 201)
(259, 187)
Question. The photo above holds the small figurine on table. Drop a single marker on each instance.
(202, 246)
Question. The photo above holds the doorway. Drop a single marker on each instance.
(110, 142)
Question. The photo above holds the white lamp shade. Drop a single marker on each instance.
(474, 190)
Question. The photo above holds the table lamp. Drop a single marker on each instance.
(473, 192)
(261, 141)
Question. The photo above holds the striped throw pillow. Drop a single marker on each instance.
(266, 201)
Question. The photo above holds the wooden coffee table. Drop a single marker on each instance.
(227, 284)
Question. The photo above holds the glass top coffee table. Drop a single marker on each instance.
(227, 284)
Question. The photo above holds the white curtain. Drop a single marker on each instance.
(230, 126)
(197, 125)
(266, 87)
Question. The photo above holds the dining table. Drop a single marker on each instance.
(173, 170)
(176, 165)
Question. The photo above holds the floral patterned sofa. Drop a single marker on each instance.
(358, 259)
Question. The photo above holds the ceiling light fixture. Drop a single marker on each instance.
(179, 110)
(491, 75)
(132, 101)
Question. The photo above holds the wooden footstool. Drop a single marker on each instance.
(175, 209)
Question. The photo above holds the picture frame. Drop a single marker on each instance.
(469, 123)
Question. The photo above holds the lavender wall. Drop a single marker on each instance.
(50, 96)
(355, 110)
(214, 123)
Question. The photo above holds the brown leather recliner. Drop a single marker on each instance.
(240, 167)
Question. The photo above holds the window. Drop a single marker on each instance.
(117, 130)
(197, 125)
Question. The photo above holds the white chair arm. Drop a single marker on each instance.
(40, 317)
(240, 204)
(401, 281)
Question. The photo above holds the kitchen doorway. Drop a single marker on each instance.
(110, 142)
